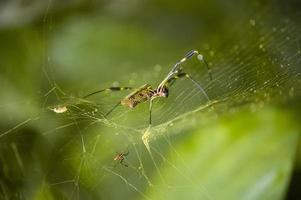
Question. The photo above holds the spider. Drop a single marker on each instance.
(120, 158)
(147, 93)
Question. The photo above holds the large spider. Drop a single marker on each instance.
(146, 92)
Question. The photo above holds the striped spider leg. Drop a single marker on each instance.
(109, 89)
(147, 93)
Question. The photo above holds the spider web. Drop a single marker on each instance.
(83, 142)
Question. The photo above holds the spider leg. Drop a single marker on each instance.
(199, 86)
(150, 110)
(201, 58)
(176, 68)
(111, 89)
(171, 81)
(122, 162)
(187, 56)
(109, 112)
(126, 153)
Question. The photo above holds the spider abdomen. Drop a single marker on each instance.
(140, 95)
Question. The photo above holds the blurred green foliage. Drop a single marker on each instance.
(243, 144)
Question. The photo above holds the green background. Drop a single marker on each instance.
(242, 144)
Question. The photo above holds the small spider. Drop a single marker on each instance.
(146, 92)
(120, 158)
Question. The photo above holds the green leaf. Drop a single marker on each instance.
(242, 156)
